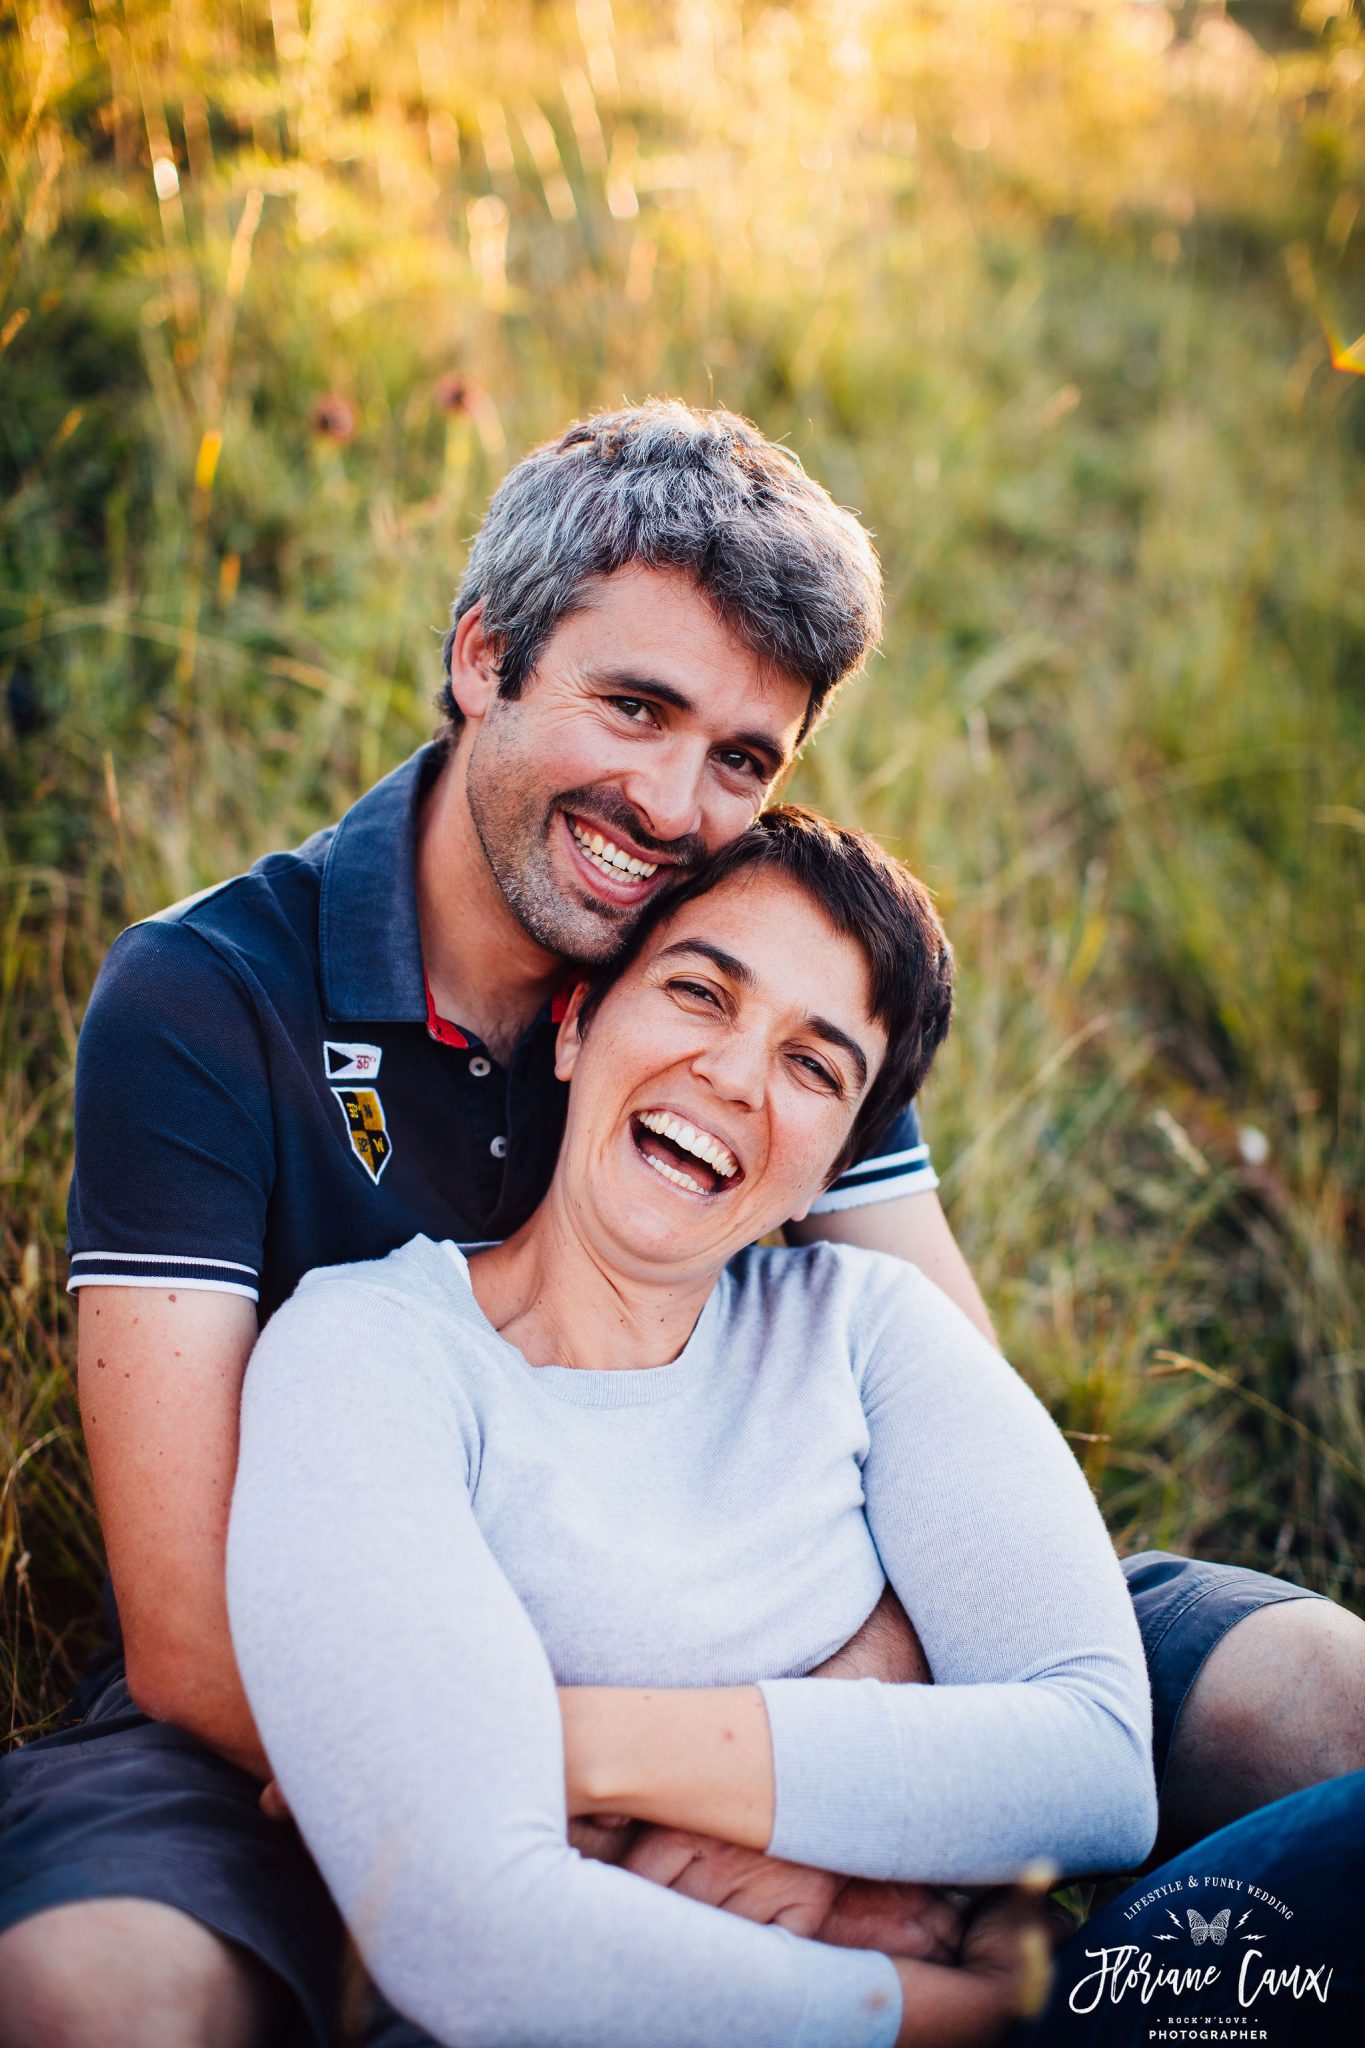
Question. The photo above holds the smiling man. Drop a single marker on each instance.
(354, 1043)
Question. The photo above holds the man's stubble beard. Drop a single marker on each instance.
(514, 832)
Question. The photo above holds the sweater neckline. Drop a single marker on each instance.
(597, 1386)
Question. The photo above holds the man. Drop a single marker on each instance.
(352, 1043)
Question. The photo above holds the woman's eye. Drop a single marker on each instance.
(819, 1072)
(696, 989)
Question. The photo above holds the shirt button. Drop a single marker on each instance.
(499, 1148)
(479, 1066)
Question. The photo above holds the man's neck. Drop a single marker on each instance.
(561, 1300)
(485, 972)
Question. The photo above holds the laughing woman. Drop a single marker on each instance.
(557, 1528)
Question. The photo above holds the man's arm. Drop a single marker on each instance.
(160, 1379)
(911, 1227)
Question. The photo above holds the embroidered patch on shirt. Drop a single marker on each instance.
(366, 1128)
(345, 1062)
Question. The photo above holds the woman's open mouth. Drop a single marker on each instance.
(686, 1156)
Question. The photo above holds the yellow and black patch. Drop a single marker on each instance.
(366, 1128)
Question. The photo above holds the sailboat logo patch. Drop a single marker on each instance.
(344, 1062)
(366, 1128)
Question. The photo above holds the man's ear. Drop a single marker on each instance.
(570, 1037)
(473, 664)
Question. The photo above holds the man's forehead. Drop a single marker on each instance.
(657, 631)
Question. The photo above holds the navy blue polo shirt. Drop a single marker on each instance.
(262, 1085)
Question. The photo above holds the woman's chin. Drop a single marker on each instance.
(666, 1227)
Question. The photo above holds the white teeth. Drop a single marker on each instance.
(609, 856)
(675, 1174)
(700, 1143)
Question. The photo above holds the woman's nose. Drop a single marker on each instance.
(735, 1064)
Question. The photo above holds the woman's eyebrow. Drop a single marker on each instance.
(734, 969)
(820, 1027)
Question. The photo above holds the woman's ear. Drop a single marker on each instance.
(473, 664)
(570, 1036)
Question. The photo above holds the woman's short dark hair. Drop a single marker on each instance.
(867, 896)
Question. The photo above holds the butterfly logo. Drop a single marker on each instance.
(1202, 1930)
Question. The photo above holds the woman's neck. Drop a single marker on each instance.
(561, 1301)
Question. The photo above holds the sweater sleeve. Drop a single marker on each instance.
(1034, 1742)
(410, 1713)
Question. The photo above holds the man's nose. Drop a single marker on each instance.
(666, 792)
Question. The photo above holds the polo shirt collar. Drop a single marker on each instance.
(369, 939)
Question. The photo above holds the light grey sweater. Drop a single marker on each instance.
(428, 1532)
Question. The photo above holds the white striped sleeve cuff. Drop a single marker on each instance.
(879, 1180)
(162, 1269)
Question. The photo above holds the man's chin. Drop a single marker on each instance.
(577, 926)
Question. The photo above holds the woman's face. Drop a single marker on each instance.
(717, 1083)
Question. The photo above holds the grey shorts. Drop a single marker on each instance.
(116, 1806)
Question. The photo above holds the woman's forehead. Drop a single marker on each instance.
(779, 934)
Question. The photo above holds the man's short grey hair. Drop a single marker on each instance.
(789, 572)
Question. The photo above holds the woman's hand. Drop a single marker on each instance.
(1010, 1940)
(1004, 1975)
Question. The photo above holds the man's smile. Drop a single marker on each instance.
(608, 854)
(621, 870)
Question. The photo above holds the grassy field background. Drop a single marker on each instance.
(1051, 294)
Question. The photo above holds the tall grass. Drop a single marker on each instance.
(1043, 291)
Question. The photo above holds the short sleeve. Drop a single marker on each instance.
(174, 1127)
(900, 1165)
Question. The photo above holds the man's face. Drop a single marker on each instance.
(646, 739)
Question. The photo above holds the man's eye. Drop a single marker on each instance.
(633, 708)
(740, 763)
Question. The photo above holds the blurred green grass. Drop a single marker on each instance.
(1042, 291)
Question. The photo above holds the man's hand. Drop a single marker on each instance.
(900, 1919)
(742, 1881)
(604, 1837)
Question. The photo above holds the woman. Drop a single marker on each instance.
(555, 1529)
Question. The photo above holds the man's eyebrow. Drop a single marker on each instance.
(632, 685)
(743, 976)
